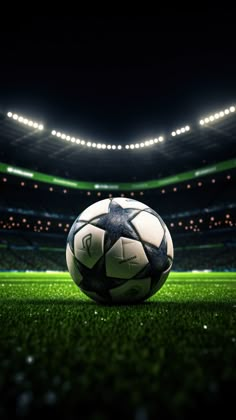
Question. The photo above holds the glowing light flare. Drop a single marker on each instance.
(25, 121)
(217, 115)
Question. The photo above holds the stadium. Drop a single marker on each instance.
(63, 354)
(38, 207)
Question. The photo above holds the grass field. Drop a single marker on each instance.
(173, 356)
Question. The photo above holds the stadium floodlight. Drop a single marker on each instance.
(217, 115)
(25, 121)
(88, 143)
(181, 130)
(104, 146)
(145, 143)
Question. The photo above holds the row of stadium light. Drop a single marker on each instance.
(144, 143)
(217, 116)
(210, 219)
(138, 145)
(180, 131)
(47, 225)
(25, 121)
(103, 146)
(71, 139)
(36, 226)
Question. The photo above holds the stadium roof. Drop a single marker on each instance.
(34, 145)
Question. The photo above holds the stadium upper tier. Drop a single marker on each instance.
(199, 205)
(202, 192)
(197, 144)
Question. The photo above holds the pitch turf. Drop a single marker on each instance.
(171, 357)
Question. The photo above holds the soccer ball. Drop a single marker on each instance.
(119, 250)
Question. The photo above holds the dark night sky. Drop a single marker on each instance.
(119, 78)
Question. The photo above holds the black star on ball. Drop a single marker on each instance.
(116, 223)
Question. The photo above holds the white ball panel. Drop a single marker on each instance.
(128, 203)
(149, 228)
(131, 290)
(89, 245)
(125, 259)
(170, 248)
(95, 210)
(71, 264)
